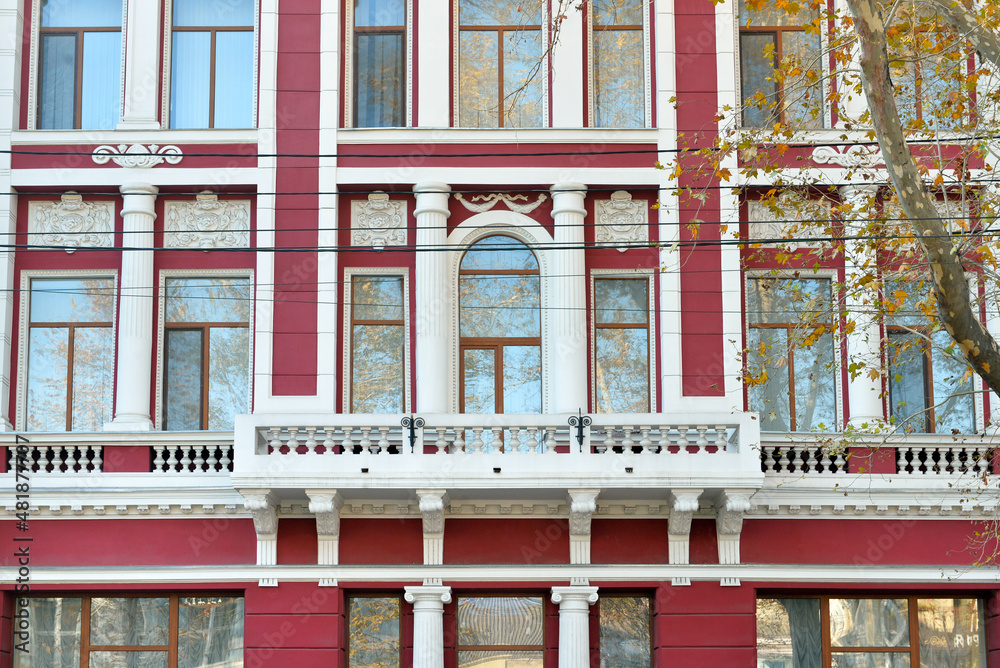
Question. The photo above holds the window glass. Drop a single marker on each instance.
(54, 634)
(70, 328)
(618, 64)
(500, 630)
(621, 342)
(207, 342)
(379, 63)
(200, 13)
(374, 632)
(129, 621)
(499, 64)
(625, 637)
(377, 344)
(81, 13)
(210, 632)
(790, 353)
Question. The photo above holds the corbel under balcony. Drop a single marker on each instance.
(262, 505)
(326, 505)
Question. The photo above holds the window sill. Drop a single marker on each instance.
(497, 135)
(63, 137)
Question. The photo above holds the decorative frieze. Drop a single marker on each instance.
(378, 222)
(513, 202)
(137, 156)
(622, 221)
(207, 223)
(71, 223)
(848, 156)
(789, 220)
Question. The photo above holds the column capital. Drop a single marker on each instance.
(427, 596)
(138, 188)
(568, 197)
(574, 597)
(432, 197)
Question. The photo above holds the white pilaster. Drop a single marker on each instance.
(864, 343)
(262, 504)
(574, 624)
(432, 505)
(683, 506)
(428, 626)
(433, 306)
(730, 508)
(433, 64)
(567, 354)
(142, 65)
(326, 505)
(568, 91)
(135, 311)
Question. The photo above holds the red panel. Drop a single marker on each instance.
(722, 657)
(520, 541)
(382, 541)
(629, 542)
(300, 7)
(694, 7)
(293, 631)
(135, 542)
(698, 73)
(298, 110)
(74, 156)
(127, 459)
(513, 155)
(297, 542)
(704, 548)
(706, 598)
(296, 598)
(872, 460)
(296, 71)
(299, 34)
(269, 657)
(689, 630)
(862, 542)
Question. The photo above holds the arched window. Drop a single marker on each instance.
(500, 328)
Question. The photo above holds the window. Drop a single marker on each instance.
(621, 345)
(500, 630)
(373, 636)
(379, 63)
(930, 387)
(378, 337)
(207, 352)
(625, 637)
(70, 354)
(500, 64)
(212, 64)
(790, 353)
(153, 632)
(500, 328)
(831, 632)
(619, 63)
(80, 64)
(771, 37)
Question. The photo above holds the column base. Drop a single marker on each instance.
(129, 425)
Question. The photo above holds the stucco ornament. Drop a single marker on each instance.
(137, 155)
(326, 507)
(263, 509)
(378, 222)
(848, 156)
(582, 506)
(682, 511)
(432, 506)
(490, 200)
(622, 221)
(71, 223)
(207, 223)
(730, 511)
(791, 221)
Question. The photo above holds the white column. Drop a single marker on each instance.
(993, 327)
(433, 64)
(574, 624)
(433, 305)
(864, 343)
(428, 626)
(142, 66)
(135, 311)
(566, 352)
(568, 93)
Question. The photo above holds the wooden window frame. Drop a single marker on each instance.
(596, 27)
(648, 326)
(173, 616)
(497, 648)
(349, 596)
(356, 32)
(778, 113)
(78, 35)
(912, 601)
(352, 321)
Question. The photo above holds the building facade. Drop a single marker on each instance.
(369, 334)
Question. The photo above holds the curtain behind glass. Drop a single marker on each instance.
(379, 80)
(233, 79)
(190, 74)
(101, 98)
(58, 83)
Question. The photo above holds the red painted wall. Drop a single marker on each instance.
(704, 625)
(381, 541)
(640, 541)
(513, 541)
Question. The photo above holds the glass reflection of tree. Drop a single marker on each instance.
(374, 632)
(500, 327)
(618, 63)
(621, 371)
(625, 637)
(377, 339)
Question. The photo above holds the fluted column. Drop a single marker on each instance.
(433, 307)
(864, 343)
(142, 66)
(574, 624)
(428, 625)
(567, 350)
(135, 311)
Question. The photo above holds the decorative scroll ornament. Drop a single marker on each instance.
(207, 223)
(432, 504)
(622, 221)
(792, 223)
(730, 511)
(851, 156)
(137, 155)
(264, 511)
(489, 201)
(582, 506)
(326, 507)
(379, 222)
(71, 223)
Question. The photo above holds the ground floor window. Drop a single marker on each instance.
(172, 631)
(890, 632)
(501, 631)
(373, 635)
(625, 634)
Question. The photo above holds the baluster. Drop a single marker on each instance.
(383, 441)
(840, 462)
(459, 443)
(212, 460)
(441, 443)
(347, 445)
(721, 437)
(825, 461)
(71, 459)
(311, 440)
(476, 446)
(609, 440)
(158, 461)
(514, 446)
(98, 462)
(664, 445)
(979, 457)
(185, 458)
(768, 452)
(901, 464)
(198, 459)
(366, 443)
(44, 465)
(293, 441)
(275, 441)
(627, 441)
(550, 440)
(682, 438)
(811, 461)
(328, 443)
(784, 464)
(227, 457)
(172, 458)
(497, 440)
(702, 439)
(644, 441)
(532, 440)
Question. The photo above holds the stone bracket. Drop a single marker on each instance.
(432, 508)
(326, 505)
(582, 506)
(730, 507)
(262, 504)
(683, 505)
